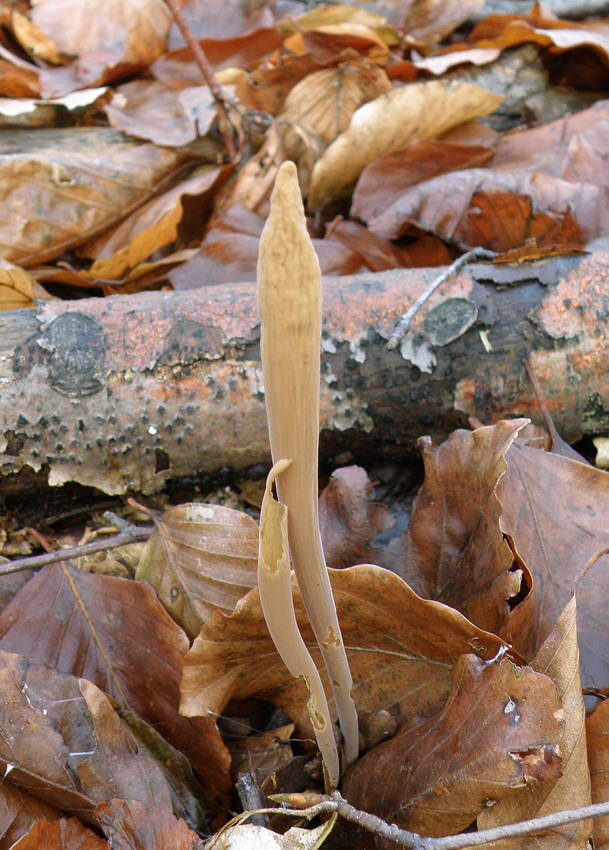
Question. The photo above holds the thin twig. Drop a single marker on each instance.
(226, 128)
(402, 838)
(130, 534)
(404, 324)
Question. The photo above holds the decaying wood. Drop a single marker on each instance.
(126, 392)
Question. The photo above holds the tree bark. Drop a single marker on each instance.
(125, 392)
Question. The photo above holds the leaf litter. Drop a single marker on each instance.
(467, 673)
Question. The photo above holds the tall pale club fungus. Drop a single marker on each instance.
(289, 303)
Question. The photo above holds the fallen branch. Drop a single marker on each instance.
(126, 392)
(402, 838)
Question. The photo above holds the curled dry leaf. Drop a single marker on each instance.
(388, 123)
(558, 659)
(456, 550)
(246, 836)
(61, 196)
(498, 731)
(129, 646)
(349, 519)
(105, 36)
(199, 559)
(16, 287)
(554, 514)
(401, 650)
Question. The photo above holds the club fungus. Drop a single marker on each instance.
(289, 303)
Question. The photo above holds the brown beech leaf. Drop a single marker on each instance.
(64, 834)
(558, 659)
(348, 518)
(385, 179)
(263, 754)
(16, 287)
(62, 197)
(431, 21)
(147, 230)
(498, 731)
(387, 123)
(18, 81)
(401, 649)
(200, 558)
(456, 550)
(597, 736)
(554, 513)
(222, 19)
(378, 253)
(77, 751)
(19, 811)
(151, 110)
(547, 183)
(132, 825)
(115, 633)
(110, 38)
(324, 101)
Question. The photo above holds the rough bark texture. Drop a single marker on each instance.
(126, 392)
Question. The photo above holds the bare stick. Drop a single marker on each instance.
(130, 534)
(404, 324)
(402, 838)
(202, 61)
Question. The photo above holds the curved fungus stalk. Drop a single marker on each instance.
(289, 303)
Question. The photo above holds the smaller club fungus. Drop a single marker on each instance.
(289, 303)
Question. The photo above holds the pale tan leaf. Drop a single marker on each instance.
(388, 123)
(200, 558)
(16, 287)
(63, 190)
(558, 658)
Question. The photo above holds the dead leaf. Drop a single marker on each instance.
(132, 825)
(554, 511)
(221, 19)
(246, 836)
(16, 287)
(19, 812)
(110, 38)
(64, 834)
(348, 518)
(388, 123)
(535, 187)
(147, 230)
(153, 111)
(401, 649)
(497, 732)
(200, 558)
(597, 734)
(558, 659)
(263, 754)
(62, 196)
(77, 751)
(430, 21)
(456, 550)
(128, 646)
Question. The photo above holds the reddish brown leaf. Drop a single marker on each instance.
(597, 735)
(456, 551)
(375, 251)
(498, 731)
(128, 646)
(558, 659)
(348, 519)
(131, 825)
(536, 187)
(554, 512)
(65, 834)
(77, 751)
(19, 812)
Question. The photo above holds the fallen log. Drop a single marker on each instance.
(124, 393)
